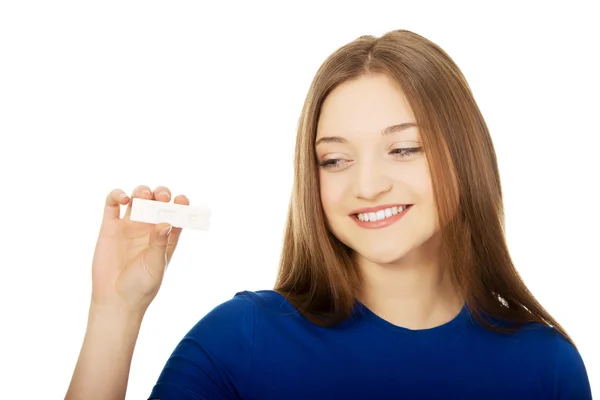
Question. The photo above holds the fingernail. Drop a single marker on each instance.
(165, 194)
(122, 195)
(166, 231)
(146, 191)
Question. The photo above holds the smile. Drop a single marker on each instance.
(381, 218)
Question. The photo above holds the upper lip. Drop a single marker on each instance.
(376, 208)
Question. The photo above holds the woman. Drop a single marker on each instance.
(395, 278)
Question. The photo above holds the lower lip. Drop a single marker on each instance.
(382, 223)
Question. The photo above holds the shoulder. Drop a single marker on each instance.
(536, 354)
(215, 358)
(564, 368)
(569, 372)
(238, 315)
(251, 302)
(244, 317)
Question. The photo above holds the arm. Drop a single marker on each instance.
(102, 370)
(570, 376)
(127, 270)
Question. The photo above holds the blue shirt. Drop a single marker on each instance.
(258, 346)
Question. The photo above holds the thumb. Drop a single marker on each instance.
(156, 257)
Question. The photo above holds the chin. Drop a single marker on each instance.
(382, 253)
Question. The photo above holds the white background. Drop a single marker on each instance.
(205, 100)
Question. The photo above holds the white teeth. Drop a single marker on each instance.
(381, 214)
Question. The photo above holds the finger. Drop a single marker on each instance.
(181, 199)
(176, 232)
(141, 192)
(162, 193)
(115, 199)
(156, 257)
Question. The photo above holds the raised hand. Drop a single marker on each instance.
(131, 257)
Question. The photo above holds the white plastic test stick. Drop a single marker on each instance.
(177, 215)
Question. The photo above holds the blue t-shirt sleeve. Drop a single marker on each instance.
(213, 360)
(570, 376)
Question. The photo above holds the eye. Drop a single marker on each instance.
(406, 152)
(332, 163)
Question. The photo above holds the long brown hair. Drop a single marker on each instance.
(317, 272)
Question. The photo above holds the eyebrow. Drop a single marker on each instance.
(387, 131)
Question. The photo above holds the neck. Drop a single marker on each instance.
(414, 292)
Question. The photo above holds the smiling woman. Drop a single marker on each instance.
(395, 278)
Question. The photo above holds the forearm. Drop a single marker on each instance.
(102, 370)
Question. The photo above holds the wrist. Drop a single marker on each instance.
(113, 316)
(112, 332)
(116, 310)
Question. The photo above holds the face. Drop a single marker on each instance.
(375, 184)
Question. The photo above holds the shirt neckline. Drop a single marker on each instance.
(458, 323)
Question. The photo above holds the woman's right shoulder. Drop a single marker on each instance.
(248, 301)
(269, 298)
(240, 313)
(221, 344)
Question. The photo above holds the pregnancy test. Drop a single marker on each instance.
(177, 215)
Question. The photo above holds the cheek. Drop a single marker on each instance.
(423, 190)
(415, 179)
(332, 193)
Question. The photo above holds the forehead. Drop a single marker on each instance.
(365, 105)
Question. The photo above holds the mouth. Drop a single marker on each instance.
(381, 214)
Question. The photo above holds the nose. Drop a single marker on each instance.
(371, 179)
